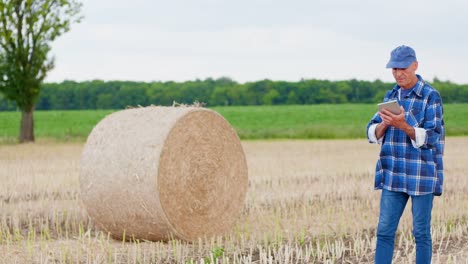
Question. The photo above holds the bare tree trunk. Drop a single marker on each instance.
(27, 126)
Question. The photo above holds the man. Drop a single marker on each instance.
(410, 163)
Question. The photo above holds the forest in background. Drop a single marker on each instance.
(97, 94)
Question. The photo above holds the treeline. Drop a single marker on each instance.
(98, 94)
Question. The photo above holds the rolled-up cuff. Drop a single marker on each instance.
(420, 136)
(371, 134)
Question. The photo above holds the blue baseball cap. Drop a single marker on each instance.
(401, 57)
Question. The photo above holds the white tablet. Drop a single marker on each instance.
(392, 106)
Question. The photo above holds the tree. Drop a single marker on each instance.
(27, 27)
(270, 97)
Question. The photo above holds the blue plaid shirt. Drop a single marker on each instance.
(402, 167)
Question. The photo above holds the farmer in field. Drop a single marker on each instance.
(410, 163)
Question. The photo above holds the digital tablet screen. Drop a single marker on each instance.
(392, 106)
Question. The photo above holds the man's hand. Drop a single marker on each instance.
(398, 121)
(391, 119)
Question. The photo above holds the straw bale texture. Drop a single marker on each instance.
(160, 172)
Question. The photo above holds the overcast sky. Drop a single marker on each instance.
(250, 40)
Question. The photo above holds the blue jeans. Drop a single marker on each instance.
(392, 205)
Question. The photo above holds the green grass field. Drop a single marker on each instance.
(327, 121)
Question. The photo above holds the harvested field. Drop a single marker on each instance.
(307, 202)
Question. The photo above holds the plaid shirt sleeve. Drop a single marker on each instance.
(402, 166)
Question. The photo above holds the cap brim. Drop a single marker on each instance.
(399, 64)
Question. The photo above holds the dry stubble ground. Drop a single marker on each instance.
(308, 201)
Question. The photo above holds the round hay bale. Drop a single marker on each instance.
(158, 173)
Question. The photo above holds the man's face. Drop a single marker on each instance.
(406, 78)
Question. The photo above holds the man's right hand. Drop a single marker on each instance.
(380, 129)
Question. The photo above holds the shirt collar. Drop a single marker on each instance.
(417, 88)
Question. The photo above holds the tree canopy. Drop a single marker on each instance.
(216, 92)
